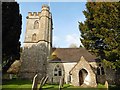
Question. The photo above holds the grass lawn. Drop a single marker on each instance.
(17, 84)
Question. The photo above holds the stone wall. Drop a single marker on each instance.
(34, 61)
(43, 32)
(66, 69)
(112, 76)
(117, 77)
(50, 72)
(90, 78)
(37, 44)
(102, 77)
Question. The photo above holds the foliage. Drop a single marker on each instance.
(11, 30)
(37, 55)
(101, 30)
(113, 65)
(108, 64)
(100, 85)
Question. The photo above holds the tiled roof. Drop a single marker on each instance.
(71, 55)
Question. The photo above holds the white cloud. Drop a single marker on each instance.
(73, 39)
(66, 41)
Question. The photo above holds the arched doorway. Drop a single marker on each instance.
(82, 75)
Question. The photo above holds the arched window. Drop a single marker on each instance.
(100, 70)
(34, 37)
(36, 24)
(57, 71)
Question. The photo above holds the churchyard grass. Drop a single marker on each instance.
(17, 84)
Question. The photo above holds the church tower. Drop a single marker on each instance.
(39, 28)
(37, 44)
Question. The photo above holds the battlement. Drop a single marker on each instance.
(44, 8)
(34, 13)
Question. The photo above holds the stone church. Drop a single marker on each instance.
(76, 65)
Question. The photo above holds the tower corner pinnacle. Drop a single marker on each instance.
(45, 7)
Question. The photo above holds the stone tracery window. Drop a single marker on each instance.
(36, 24)
(57, 71)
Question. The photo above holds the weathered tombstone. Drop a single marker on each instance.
(52, 80)
(42, 82)
(106, 85)
(10, 76)
(45, 80)
(35, 82)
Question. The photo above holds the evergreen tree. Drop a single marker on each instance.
(11, 30)
(101, 30)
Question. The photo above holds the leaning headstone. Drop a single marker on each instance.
(43, 81)
(10, 76)
(35, 82)
(106, 85)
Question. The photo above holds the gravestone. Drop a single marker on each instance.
(43, 81)
(106, 85)
(35, 82)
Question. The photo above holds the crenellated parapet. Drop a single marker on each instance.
(34, 13)
(45, 12)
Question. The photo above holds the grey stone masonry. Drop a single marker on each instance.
(37, 44)
(83, 75)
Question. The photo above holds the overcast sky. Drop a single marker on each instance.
(65, 20)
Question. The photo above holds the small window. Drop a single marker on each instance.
(36, 24)
(100, 70)
(57, 71)
(34, 37)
